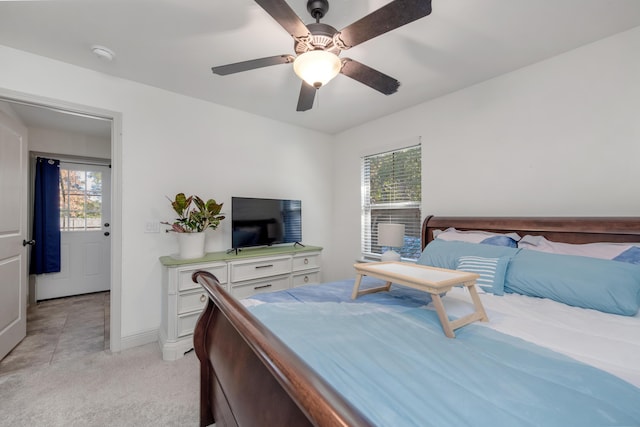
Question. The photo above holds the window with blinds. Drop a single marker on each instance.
(391, 192)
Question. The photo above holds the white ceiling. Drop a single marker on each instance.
(173, 44)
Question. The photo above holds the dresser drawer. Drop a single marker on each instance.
(256, 269)
(187, 323)
(184, 275)
(306, 261)
(192, 301)
(257, 287)
(307, 278)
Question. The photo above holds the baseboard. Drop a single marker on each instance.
(139, 339)
(173, 350)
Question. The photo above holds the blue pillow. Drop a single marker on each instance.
(599, 284)
(500, 241)
(631, 255)
(491, 270)
(445, 253)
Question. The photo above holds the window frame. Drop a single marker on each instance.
(389, 210)
(86, 194)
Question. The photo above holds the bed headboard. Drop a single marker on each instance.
(559, 229)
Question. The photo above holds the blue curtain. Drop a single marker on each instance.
(45, 254)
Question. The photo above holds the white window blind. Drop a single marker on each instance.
(391, 192)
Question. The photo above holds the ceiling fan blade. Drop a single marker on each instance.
(307, 95)
(368, 76)
(285, 16)
(387, 18)
(238, 67)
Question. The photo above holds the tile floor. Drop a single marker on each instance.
(62, 329)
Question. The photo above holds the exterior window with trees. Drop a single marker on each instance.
(80, 199)
(391, 192)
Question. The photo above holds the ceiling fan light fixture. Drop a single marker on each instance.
(317, 67)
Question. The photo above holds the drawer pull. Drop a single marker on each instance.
(306, 261)
(264, 266)
(306, 279)
(203, 298)
(262, 287)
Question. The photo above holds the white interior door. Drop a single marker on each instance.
(85, 233)
(13, 214)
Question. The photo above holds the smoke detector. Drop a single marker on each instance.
(103, 53)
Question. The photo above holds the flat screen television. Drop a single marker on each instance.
(265, 222)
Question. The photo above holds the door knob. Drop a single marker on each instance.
(106, 233)
(28, 242)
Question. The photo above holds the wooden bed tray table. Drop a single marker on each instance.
(435, 281)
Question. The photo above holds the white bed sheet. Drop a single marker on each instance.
(607, 341)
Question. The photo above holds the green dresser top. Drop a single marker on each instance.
(170, 261)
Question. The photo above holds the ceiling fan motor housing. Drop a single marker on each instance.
(318, 8)
(321, 39)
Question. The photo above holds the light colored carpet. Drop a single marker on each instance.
(132, 388)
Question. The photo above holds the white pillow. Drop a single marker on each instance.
(476, 236)
(625, 252)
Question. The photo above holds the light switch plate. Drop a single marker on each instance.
(152, 226)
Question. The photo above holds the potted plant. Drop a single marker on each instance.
(192, 221)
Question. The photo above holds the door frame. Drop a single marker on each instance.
(115, 342)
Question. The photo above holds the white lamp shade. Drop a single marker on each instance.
(391, 235)
(317, 67)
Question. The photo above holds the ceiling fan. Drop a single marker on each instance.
(318, 45)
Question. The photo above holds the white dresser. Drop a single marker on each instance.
(247, 273)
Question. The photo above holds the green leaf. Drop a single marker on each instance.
(203, 216)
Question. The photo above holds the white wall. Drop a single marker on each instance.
(55, 141)
(560, 137)
(172, 143)
(6, 108)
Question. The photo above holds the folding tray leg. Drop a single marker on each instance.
(471, 286)
(442, 315)
(356, 288)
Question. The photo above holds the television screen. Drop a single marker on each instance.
(265, 222)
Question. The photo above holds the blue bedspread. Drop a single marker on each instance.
(388, 356)
(341, 292)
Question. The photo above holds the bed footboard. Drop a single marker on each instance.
(249, 377)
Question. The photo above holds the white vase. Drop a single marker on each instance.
(191, 245)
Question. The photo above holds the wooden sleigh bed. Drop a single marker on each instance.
(249, 377)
